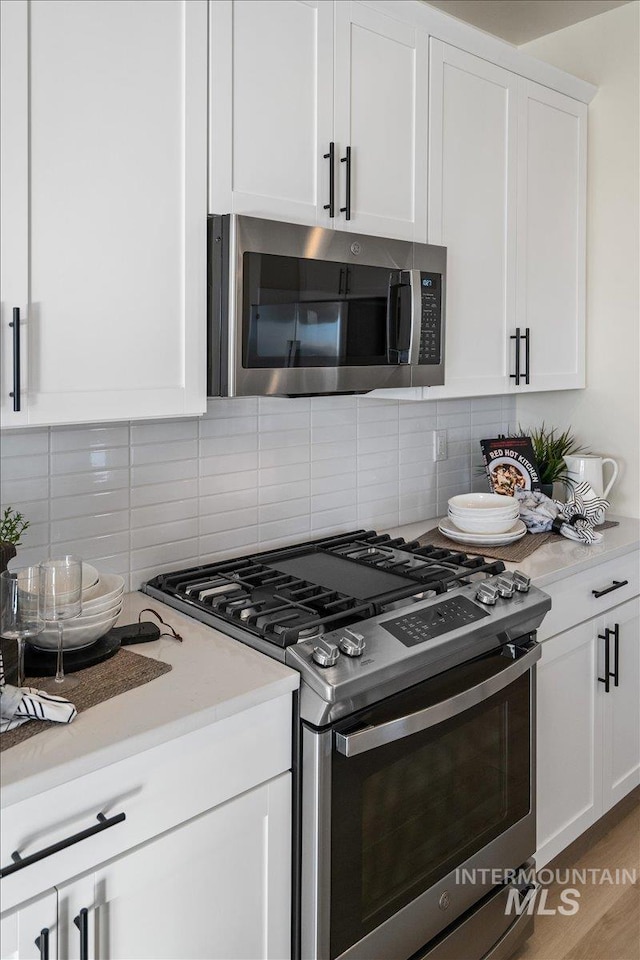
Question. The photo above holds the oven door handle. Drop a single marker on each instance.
(371, 737)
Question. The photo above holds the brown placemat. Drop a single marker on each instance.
(512, 553)
(110, 678)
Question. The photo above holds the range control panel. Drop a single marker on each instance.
(439, 618)
(430, 318)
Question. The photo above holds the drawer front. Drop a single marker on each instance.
(574, 598)
(155, 790)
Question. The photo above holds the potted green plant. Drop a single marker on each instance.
(551, 446)
(12, 525)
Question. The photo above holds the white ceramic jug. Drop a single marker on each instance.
(590, 468)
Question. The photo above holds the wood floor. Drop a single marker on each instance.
(607, 924)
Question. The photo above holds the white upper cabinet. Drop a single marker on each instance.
(381, 84)
(472, 207)
(104, 142)
(294, 92)
(551, 238)
(271, 108)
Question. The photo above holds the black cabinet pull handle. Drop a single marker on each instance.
(42, 943)
(527, 353)
(516, 376)
(103, 824)
(607, 672)
(331, 206)
(15, 393)
(616, 654)
(82, 923)
(614, 586)
(347, 209)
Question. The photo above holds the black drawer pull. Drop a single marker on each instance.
(82, 923)
(607, 663)
(42, 943)
(347, 208)
(516, 376)
(103, 824)
(332, 192)
(614, 586)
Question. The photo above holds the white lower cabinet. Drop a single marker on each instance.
(180, 851)
(215, 887)
(588, 737)
(31, 931)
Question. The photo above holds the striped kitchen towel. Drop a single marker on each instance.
(20, 704)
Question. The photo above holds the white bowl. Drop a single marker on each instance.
(472, 524)
(483, 501)
(78, 632)
(102, 606)
(108, 585)
(507, 511)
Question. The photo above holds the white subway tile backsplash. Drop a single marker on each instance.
(145, 497)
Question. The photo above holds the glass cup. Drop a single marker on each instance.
(20, 615)
(60, 600)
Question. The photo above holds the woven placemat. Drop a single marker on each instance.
(512, 553)
(120, 673)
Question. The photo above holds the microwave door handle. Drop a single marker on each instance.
(398, 318)
(361, 741)
(416, 316)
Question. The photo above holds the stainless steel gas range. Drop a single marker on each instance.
(414, 736)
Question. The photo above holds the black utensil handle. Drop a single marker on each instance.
(527, 353)
(614, 586)
(616, 654)
(19, 862)
(82, 923)
(42, 943)
(607, 672)
(516, 376)
(331, 206)
(347, 208)
(15, 393)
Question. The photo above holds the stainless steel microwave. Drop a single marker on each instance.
(296, 310)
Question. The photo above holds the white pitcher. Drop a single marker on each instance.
(590, 468)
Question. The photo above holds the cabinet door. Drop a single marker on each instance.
(108, 207)
(552, 160)
(216, 888)
(472, 207)
(31, 931)
(271, 108)
(569, 792)
(621, 714)
(380, 113)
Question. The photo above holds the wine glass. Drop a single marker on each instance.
(60, 600)
(20, 616)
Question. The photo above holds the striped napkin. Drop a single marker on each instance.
(20, 704)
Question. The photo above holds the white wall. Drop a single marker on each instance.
(606, 416)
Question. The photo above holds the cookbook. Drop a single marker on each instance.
(510, 464)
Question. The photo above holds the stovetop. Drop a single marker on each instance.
(359, 615)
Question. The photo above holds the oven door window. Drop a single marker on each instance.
(315, 313)
(406, 814)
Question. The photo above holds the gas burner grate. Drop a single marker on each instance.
(295, 593)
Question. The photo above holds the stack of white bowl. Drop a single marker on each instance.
(102, 599)
(487, 514)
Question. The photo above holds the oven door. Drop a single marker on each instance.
(407, 794)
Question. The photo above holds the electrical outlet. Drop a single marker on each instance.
(439, 444)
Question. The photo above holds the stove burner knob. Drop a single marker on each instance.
(487, 593)
(522, 581)
(325, 653)
(352, 643)
(505, 586)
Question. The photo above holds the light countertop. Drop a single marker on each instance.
(214, 677)
(561, 558)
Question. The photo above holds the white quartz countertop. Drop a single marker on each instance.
(559, 558)
(212, 677)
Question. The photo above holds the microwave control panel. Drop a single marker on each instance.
(430, 318)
